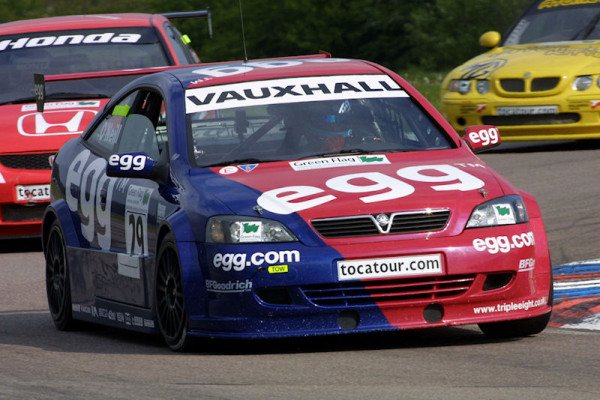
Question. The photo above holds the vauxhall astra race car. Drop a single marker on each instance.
(287, 197)
(540, 82)
(83, 46)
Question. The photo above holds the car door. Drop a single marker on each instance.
(125, 208)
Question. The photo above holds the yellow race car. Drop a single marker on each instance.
(540, 82)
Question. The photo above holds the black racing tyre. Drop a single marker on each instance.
(169, 297)
(520, 327)
(516, 328)
(58, 283)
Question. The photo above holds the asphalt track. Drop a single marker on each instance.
(563, 362)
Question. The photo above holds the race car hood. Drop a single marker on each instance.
(24, 130)
(359, 185)
(556, 59)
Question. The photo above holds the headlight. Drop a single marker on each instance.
(507, 210)
(461, 86)
(238, 229)
(582, 83)
(482, 86)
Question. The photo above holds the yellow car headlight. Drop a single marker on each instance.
(582, 83)
(482, 86)
(462, 86)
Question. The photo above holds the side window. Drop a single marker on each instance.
(185, 53)
(137, 124)
(139, 135)
(105, 137)
(145, 128)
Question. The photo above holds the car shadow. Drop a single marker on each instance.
(20, 245)
(34, 328)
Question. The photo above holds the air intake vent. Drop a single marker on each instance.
(27, 161)
(387, 290)
(513, 85)
(543, 84)
(370, 225)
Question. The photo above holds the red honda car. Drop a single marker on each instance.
(67, 45)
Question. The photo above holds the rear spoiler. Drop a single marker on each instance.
(39, 80)
(192, 14)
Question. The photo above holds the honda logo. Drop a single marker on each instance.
(64, 122)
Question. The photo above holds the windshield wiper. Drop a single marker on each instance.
(346, 152)
(589, 28)
(30, 99)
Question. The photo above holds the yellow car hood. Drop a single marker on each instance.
(539, 59)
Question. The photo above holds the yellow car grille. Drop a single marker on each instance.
(532, 85)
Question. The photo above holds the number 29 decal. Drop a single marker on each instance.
(136, 219)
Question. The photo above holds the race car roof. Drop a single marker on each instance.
(78, 22)
(227, 72)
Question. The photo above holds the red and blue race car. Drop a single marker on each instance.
(87, 45)
(288, 197)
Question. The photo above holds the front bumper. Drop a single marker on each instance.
(24, 195)
(489, 275)
(578, 116)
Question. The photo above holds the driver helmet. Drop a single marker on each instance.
(330, 118)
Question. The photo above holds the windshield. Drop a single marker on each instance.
(555, 22)
(61, 52)
(282, 128)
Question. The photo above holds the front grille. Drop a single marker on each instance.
(387, 290)
(22, 213)
(367, 225)
(27, 161)
(537, 85)
(512, 85)
(543, 84)
(540, 119)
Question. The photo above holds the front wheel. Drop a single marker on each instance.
(517, 328)
(520, 327)
(169, 297)
(58, 285)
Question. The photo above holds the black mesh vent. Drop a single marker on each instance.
(387, 290)
(27, 161)
(512, 85)
(543, 84)
(22, 213)
(367, 225)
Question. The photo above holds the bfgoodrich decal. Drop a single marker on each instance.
(291, 90)
(228, 287)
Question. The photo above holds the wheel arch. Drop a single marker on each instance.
(59, 211)
(189, 251)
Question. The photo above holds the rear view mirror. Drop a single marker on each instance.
(482, 137)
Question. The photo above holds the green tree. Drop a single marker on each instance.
(400, 34)
(445, 33)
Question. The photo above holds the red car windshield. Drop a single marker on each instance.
(59, 52)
